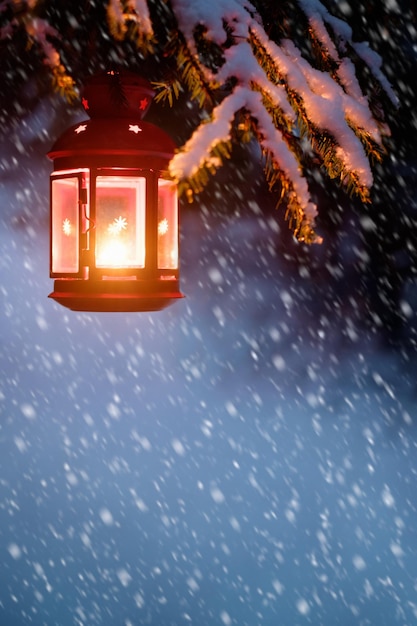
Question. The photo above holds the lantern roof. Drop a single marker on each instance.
(116, 133)
(117, 93)
(110, 136)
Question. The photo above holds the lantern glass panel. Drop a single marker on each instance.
(65, 225)
(167, 224)
(120, 221)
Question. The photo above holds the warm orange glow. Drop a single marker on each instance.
(113, 253)
(120, 221)
(65, 215)
(167, 224)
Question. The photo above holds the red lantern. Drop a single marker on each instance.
(114, 209)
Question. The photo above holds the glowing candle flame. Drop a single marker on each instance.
(113, 253)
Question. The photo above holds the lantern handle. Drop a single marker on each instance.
(89, 219)
(82, 201)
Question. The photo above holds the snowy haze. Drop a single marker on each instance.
(247, 456)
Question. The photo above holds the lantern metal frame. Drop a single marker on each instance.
(117, 145)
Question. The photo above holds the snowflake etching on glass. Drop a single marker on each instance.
(163, 227)
(67, 227)
(118, 225)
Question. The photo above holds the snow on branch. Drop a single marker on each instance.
(186, 163)
(131, 18)
(199, 147)
(287, 96)
(40, 36)
(200, 151)
(319, 15)
(216, 16)
(39, 30)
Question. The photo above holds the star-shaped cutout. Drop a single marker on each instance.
(143, 104)
(134, 128)
(80, 129)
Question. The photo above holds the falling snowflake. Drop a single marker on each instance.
(119, 224)
(163, 227)
(66, 227)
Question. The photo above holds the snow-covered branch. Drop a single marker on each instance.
(329, 108)
(318, 16)
(122, 13)
(39, 30)
(197, 150)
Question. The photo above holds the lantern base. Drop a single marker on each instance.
(115, 296)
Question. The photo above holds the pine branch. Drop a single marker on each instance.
(325, 62)
(301, 224)
(167, 91)
(195, 184)
(125, 22)
(265, 60)
(325, 146)
(322, 142)
(374, 150)
(282, 123)
(190, 74)
(64, 84)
